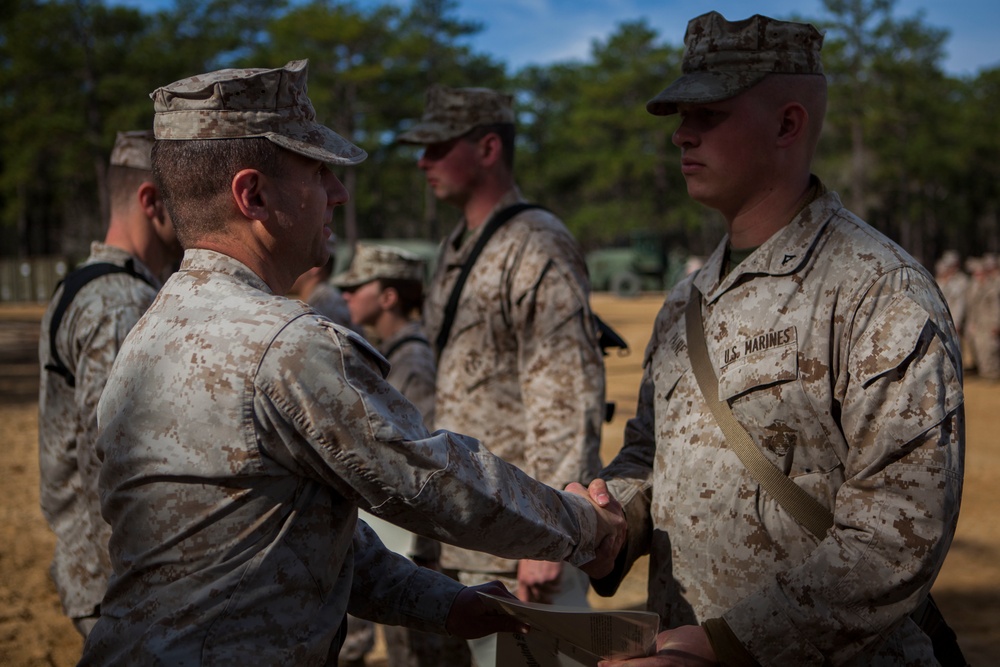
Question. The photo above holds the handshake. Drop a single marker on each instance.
(611, 526)
(470, 617)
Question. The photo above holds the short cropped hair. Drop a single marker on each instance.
(411, 293)
(507, 134)
(123, 184)
(195, 179)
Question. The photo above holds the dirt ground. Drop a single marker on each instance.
(33, 631)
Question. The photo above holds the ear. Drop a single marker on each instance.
(149, 201)
(490, 149)
(152, 204)
(794, 123)
(388, 298)
(249, 188)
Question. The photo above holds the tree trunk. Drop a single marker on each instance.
(858, 167)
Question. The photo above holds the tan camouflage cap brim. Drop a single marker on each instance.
(132, 149)
(724, 58)
(380, 262)
(452, 112)
(243, 103)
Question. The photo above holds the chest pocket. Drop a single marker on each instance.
(668, 361)
(765, 393)
(769, 359)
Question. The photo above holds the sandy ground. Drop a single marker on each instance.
(33, 631)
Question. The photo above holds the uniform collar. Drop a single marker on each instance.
(509, 198)
(200, 259)
(102, 252)
(783, 254)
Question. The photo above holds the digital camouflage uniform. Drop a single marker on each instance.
(412, 374)
(413, 370)
(522, 361)
(408, 350)
(954, 284)
(983, 319)
(241, 432)
(835, 351)
(327, 300)
(837, 354)
(89, 337)
(522, 364)
(240, 435)
(93, 327)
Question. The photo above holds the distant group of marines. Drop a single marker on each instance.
(207, 444)
(973, 296)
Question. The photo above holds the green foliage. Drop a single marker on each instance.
(914, 150)
(75, 73)
(588, 147)
(901, 154)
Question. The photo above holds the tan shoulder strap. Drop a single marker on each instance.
(803, 507)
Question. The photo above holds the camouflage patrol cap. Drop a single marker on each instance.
(380, 262)
(451, 112)
(132, 149)
(724, 58)
(242, 103)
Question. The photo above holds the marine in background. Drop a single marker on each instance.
(384, 289)
(82, 330)
(517, 350)
(241, 431)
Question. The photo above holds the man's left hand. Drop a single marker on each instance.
(470, 618)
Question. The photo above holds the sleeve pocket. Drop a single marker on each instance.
(889, 340)
(903, 365)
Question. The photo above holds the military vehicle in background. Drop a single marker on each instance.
(649, 262)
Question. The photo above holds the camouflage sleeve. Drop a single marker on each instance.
(390, 589)
(561, 369)
(416, 383)
(900, 395)
(419, 389)
(339, 422)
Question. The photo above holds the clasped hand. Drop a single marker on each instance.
(611, 526)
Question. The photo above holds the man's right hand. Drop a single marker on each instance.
(611, 526)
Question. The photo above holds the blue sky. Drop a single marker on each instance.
(521, 32)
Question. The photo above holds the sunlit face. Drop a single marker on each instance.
(364, 303)
(727, 150)
(307, 192)
(452, 169)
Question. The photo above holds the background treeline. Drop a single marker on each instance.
(915, 150)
